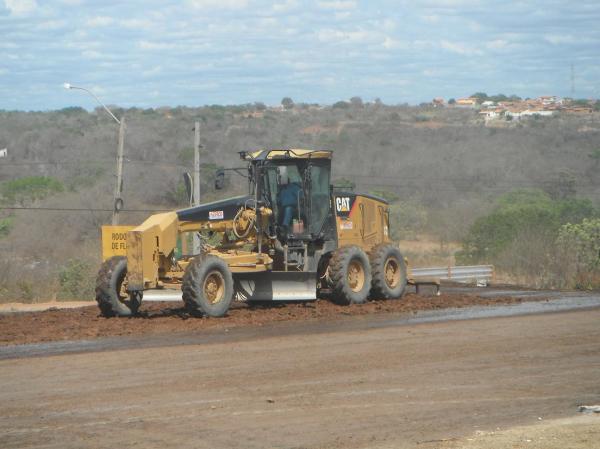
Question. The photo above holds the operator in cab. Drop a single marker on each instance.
(287, 198)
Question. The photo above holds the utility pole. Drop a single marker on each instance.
(118, 201)
(196, 194)
(197, 147)
(572, 81)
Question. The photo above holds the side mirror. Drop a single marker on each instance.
(219, 179)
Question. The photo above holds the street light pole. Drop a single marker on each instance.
(118, 201)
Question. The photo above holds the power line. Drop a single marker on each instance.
(82, 209)
(87, 161)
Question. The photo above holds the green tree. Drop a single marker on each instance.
(6, 225)
(390, 197)
(356, 102)
(344, 184)
(581, 102)
(517, 212)
(287, 103)
(579, 246)
(452, 101)
(341, 105)
(481, 97)
(595, 157)
(29, 188)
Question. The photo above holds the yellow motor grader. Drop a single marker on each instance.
(292, 237)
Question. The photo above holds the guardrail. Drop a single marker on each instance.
(470, 273)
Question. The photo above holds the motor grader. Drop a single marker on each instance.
(293, 237)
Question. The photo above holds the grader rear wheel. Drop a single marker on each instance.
(111, 294)
(207, 286)
(389, 272)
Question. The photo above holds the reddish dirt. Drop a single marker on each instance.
(162, 318)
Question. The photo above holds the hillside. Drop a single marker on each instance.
(442, 166)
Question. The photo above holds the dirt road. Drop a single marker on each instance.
(418, 385)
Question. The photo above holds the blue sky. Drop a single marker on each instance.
(158, 53)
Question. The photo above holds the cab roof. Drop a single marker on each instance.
(292, 153)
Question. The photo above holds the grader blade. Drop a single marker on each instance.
(276, 286)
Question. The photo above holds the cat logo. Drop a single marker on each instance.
(342, 204)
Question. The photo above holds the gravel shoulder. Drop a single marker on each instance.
(577, 432)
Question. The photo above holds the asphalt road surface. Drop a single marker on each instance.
(361, 383)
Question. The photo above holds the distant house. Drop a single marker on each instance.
(579, 110)
(466, 102)
(3, 152)
(488, 104)
(492, 114)
(540, 112)
(517, 114)
(547, 100)
(513, 113)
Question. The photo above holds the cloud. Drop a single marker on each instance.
(459, 48)
(91, 54)
(497, 44)
(136, 23)
(249, 50)
(99, 21)
(218, 4)
(431, 18)
(153, 71)
(391, 43)
(52, 25)
(337, 4)
(285, 6)
(558, 39)
(21, 7)
(148, 45)
(345, 37)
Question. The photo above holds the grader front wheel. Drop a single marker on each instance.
(207, 286)
(350, 274)
(111, 294)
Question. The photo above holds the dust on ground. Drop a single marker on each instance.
(161, 318)
(581, 432)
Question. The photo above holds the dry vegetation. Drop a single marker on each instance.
(441, 168)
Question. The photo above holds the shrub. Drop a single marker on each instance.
(579, 249)
(5, 226)
(29, 188)
(76, 280)
(407, 219)
(516, 212)
(344, 184)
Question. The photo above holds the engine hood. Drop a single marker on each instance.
(215, 211)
